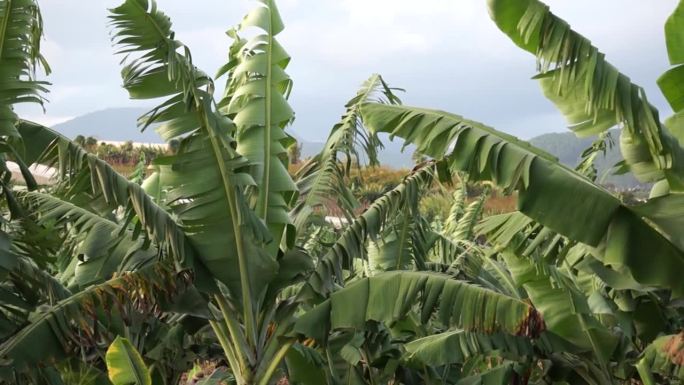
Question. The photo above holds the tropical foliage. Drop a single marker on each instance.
(213, 265)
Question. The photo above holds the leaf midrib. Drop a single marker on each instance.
(265, 184)
(133, 364)
(151, 20)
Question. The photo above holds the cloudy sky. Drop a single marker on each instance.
(447, 54)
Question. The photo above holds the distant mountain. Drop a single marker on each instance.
(568, 149)
(116, 124)
(119, 124)
(392, 155)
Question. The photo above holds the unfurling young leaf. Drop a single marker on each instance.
(125, 365)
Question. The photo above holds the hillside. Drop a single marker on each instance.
(116, 124)
(568, 148)
(119, 124)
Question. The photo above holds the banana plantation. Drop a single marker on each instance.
(218, 267)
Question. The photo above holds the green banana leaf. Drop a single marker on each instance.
(80, 319)
(457, 346)
(671, 81)
(662, 356)
(548, 192)
(21, 31)
(125, 365)
(389, 297)
(591, 93)
(213, 210)
(256, 99)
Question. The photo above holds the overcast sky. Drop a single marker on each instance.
(447, 54)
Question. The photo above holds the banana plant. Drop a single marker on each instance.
(216, 213)
(216, 244)
(594, 97)
(590, 92)
(323, 176)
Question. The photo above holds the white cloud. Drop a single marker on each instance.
(447, 53)
(335, 46)
(357, 33)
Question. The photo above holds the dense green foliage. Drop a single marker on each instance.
(217, 266)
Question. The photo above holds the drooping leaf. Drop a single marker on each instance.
(457, 346)
(21, 30)
(591, 93)
(388, 297)
(81, 319)
(589, 213)
(82, 172)
(104, 247)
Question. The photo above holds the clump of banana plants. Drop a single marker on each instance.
(220, 267)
